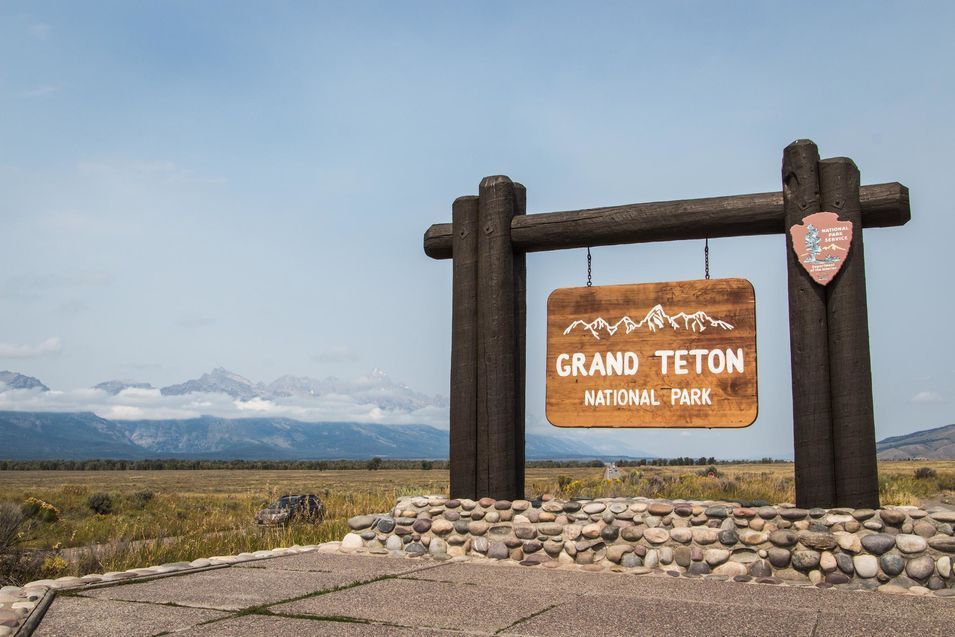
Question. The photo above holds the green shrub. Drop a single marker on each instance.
(100, 503)
(141, 498)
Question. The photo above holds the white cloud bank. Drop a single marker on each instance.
(150, 404)
(13, 350)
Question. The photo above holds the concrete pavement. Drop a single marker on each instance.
(334, 594)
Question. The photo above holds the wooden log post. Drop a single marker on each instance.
(809, 348)
(496, 343)
(850, 371)
(464, 218)
(520, 344)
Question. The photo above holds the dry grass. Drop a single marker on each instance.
(201, 513)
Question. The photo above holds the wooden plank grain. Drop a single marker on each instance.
(850, 368)
(882, 205)
(808, 341)
(463, 416)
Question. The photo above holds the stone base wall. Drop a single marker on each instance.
(863, 548)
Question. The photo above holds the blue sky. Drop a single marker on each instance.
(188, 185)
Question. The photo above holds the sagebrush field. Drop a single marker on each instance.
(152, 517)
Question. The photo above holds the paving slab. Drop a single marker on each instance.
(620, 616)
(85, 617)
(687, 590)
(429, 604)
(841, 625)
(225, 589)
(359, 566)
(248, 625)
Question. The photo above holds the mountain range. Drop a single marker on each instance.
(81, 436)
(929, 444)
(656, 319)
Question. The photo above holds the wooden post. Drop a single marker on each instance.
(464, 215)
(808, 341)
(520, 344)
(850, 372)
(497, 341)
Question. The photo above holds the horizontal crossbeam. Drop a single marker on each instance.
(883, 205)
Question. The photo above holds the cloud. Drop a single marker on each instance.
(928, 398)
(150, 404)
(13, 350)
(336, 354)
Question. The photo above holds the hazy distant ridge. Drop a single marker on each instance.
(35, 436)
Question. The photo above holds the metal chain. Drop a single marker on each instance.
(706, 257)
(589, 278)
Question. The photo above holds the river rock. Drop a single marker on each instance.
(616, 552)
(682, 535)
(594, 507)
(944, 566)
(844, 562)
(478, 528)
(817, 541)
(878, 543)
(892, 516)
(866, 565)
(498, 551)
(892, 564)
(783, 538)
(805, 560)
(441, 527)
(944, 543)
(920, 567)
(728, 537)
(778, 557)
(909, 543)
(360, 522)
(715, 557)
(760, 568)
(660, 508)
(656, 535)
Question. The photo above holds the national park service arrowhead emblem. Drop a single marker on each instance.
(821, 243)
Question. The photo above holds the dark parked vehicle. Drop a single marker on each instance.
(292, 508)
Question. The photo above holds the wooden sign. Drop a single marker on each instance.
(821, 243)
(654, 355)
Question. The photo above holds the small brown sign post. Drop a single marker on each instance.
(833, 425)
(654, 355)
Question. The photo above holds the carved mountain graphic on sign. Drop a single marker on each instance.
(656, 319)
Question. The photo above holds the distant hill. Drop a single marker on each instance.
(930, 444)
(80, 436)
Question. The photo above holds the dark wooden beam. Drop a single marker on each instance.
(497, 342)
(850, 370)
(883, 205)
(464, 215)
(520, 340)
(808, 341)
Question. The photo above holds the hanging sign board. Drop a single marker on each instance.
(821, 243)
(677, 354)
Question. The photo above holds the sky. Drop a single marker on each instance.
(191, 185)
